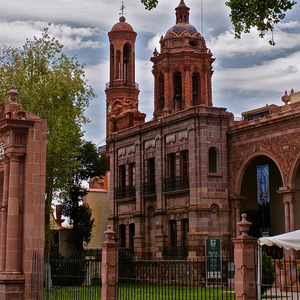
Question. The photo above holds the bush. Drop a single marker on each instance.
(268, 272)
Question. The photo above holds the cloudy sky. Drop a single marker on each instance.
(248, 73)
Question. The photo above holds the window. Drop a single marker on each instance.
(131, 235)
(177, 90)
(185, 231)
(122, 235)
(122, 176)
(172, 165)
(196, 88)
(184, 158)
(132, 174)
(173, 233)
(213, 160)
(151, 170)
(161, 97)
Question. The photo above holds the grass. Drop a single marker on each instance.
(131, 291)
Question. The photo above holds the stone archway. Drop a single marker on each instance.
(272, 215)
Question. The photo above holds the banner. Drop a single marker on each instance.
(263, 198)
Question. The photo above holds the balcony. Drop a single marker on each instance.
(149, 188)
(118, 83)
(175, 252)
(124, 192)
(174, 184)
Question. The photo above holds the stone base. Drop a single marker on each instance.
(12, 287)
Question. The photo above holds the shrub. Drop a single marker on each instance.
(268, 272)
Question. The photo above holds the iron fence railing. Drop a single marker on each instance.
(124, 192)
(149, 188)
(280, 274)
(176, 184)
(73, 278)
(121, 83)
(173, 279)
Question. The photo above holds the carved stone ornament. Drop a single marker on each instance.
(214, 208)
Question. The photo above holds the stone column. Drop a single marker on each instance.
(244, 261)
(13, 217)
(109, 266)
(4, 215)
(289, 208)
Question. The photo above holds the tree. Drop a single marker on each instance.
(250, 13)
(260, 14)
(53, 87)
(268, 272)
(79, 213)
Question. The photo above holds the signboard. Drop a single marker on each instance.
(213, 259)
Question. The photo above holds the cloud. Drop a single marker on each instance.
(226, 46)
(15, 33)
(154, 43)
(245, 88)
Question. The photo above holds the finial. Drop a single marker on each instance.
(109, 234)
(244, 226)
(286, 98)
(155, 52)
(122, 9)
(292, 91)
(13, 93)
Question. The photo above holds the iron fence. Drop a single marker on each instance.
(280, 274)
(173, 279)
(73, 278)
(36, 277)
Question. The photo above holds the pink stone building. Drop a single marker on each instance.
(189, 173)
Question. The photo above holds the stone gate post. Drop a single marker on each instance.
(244, 261)
(109, 266)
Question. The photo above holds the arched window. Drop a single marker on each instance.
(196, 88)
(177, 90)
(112, 65)
(161, 93)
(126, 61)
(213, 160)
(118, 72)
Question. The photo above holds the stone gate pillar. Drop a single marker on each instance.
(109, 274)
(22, 179)
(244, 261)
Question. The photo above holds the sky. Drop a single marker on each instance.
(248, 73)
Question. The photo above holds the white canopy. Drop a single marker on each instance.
(287, 240)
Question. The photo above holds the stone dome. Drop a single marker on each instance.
(182, 29)
(122, 25)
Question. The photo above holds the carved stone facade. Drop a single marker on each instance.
(190, 172)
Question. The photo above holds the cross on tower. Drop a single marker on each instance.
(122, 9)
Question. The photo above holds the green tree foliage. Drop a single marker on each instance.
(53, 87)
(246, 14)
(260, 14)
(268, 272)
(79, 213)
(149, 4)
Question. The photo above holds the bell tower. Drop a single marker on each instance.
(183, 68)
(122, 90)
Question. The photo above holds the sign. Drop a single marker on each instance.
(213, 260)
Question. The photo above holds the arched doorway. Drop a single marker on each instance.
(268, 215)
